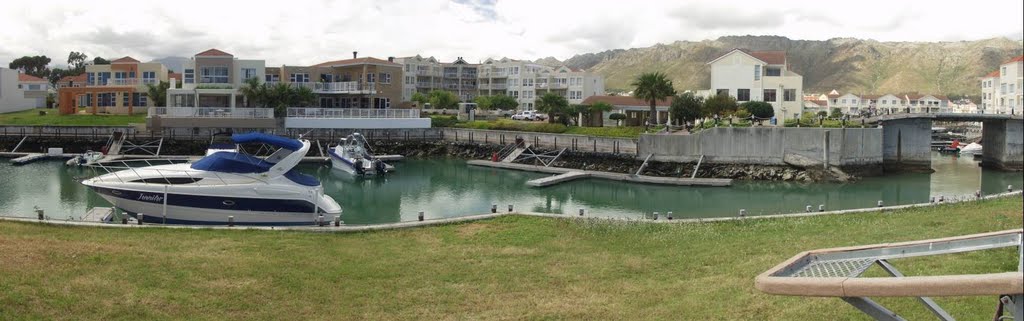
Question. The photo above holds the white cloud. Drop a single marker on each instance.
(302, 32)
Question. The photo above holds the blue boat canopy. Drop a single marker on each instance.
(231, 162)
(278, 141)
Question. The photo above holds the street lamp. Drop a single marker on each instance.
(821, 120)
(716, 120)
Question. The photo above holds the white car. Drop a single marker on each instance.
(525, 115)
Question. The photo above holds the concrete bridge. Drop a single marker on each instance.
(906, 139)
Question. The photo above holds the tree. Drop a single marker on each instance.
(483, 102)
(822, 114)
(157, 93)
(442, 99)
(552, 104)
(76, 63)
(687, 107)
(836, 113)
(100, 61)
(598, 107)
(652, 87)
(720, 105)
(255, 92)
(301, 96)
(759, 109)
(55, 75)
(617, 117)
(32, 65)
(503, 102)
(420, 99)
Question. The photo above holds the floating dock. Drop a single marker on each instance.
(30, 157)
(567, 174)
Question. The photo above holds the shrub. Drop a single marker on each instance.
(617, 116)
(443, 121)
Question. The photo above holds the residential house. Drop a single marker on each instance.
(1003, 87)
(117, 88)
(13, 96)
(637, 111)
(759, 76)
(213, 78)
(35, 88)
(349, 83)
(989, 83)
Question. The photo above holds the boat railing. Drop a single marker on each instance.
(219, 178)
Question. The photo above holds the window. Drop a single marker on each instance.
(1002, 88)
(885, 102)
(844, 101)
(769, 95)
(515, 70)
(513, 93)
(722, 92)
(773, 71)
(299, 77)
(742, 94)
(528, 82)
(190, 76)
(125, 99)
(757, 72)
(248, 73)
(1011, 88)
(149, 77)
(272, 78)
(371, 77)
(1003, 72)
(789, 94)
(32, 86)
(527, 94)
(385, 77)
(213, 75)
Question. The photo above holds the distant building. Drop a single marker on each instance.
(365, 82)
(636, 110)
(117, 88)
(35, 88)
(212, 78)
(14, 96)
(855, 104)
(1003, 88)
(527, 81)
(426, 74)
(759, 76)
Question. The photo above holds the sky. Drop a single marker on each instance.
(302, 32)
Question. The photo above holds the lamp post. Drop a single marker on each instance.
(821, 120)
(716, 120)
(783, 119)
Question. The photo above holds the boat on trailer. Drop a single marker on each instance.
(223, 185)
(353, 156)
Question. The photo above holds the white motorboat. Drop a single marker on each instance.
(972, 148)
(250, 190)
(88, 158)
(353, 156)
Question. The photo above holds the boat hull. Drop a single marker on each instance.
(345, 165)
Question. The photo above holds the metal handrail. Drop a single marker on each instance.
(161, 172)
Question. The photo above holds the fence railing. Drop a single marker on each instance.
(211, 112)
(297, 112)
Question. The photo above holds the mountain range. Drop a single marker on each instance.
(844, 64)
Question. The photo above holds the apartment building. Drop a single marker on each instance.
(855, 104)
(117, 88)
(212, 78)
(425, 74)
(349, 83)
(1003, 86)
(527, 81)
(14, 96)
(759, 76)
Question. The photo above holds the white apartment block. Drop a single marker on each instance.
(854, 104)
(527, 81)
(1001, 89)
(212, 78)
(759, 76)
(426, 74)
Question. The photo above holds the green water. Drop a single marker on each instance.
(448, 188)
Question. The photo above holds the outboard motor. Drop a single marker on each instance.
(379, 166)
(358, 164)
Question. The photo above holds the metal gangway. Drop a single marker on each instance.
(521, 150)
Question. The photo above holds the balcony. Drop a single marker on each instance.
(346, 87)
(425, 73)
(124, 82)
(451, 75)
(424, 84)
(211, 112)
(354, 118)
(495, 74)
(552, 86)
(494, 86)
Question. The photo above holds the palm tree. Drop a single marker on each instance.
(652, 87)
(156, 94)
(552, 104)
(255, 92)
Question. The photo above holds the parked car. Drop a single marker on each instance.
(525, 115)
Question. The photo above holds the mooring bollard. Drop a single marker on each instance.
(669, 215)
(977, 194)
(743, 212)
(124, 219)
(807, 209)
(163, 220)
(581, 212)
(656, 215)
(879, 203)
(510, 208)
(494, 208)
(231, 220)
(1009, 188)
(39, 213)
(931, 199)
(821, 207)
(142, 217)
(420, 216)
(942, 198)
(337, 220)
(320, 220)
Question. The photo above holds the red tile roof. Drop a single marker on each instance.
(992, 74)
(1015, 59)
(29, 78)
(775, 57)
(356, 61)
(78, 78)
(213, 53)
(625, 101)
(124, 60)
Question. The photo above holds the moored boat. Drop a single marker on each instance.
(353, 156)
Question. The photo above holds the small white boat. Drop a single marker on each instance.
(972, 148)
(88, 158)
(353, 156)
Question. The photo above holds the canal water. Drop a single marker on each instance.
(450, 188)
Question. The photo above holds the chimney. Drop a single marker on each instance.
(354, 54)
(391, 59)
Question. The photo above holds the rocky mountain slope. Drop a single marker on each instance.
(845, 64)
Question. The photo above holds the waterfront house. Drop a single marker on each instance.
(14, 96)
(117, 88)
(35, 88)
(212, 78)
(1001, 89)
(759, 76)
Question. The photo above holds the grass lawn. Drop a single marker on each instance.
(54, 118)
(507, 268)
(622, 132)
